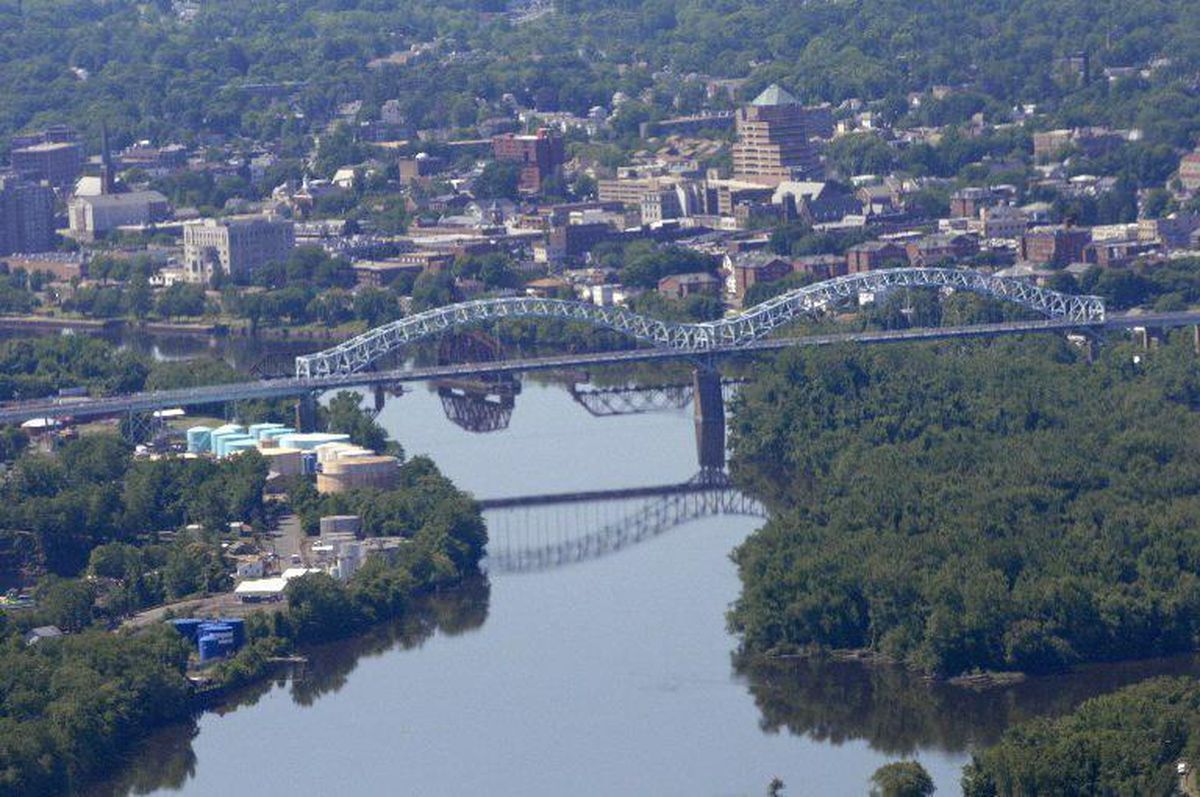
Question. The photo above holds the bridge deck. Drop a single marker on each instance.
(17, 412)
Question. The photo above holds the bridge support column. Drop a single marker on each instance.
(380, 399)
(710, 418)
(306, 413)
(1196, 338)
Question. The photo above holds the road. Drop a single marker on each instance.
(18, 412)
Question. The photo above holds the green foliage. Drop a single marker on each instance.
(902, 779)
(344, 415)
(35, 367)
(498, 180)
(1002, 506)
(93, 492)
(70, 706)
(1123, 743)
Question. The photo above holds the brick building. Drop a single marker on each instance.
(681, 286)
(1189, 171)
(540, 157)
(874, 255)
(775, 135)
(745, 270)
(1054, 246)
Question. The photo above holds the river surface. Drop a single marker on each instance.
(598, 669)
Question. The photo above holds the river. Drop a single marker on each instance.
(601, 669)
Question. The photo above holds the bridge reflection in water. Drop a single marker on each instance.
(546, 533)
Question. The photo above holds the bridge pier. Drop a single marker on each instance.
(306, 413)
(709, 403)
(380, 399)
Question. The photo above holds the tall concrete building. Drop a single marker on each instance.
(775, 135)
(234, 246)
(26, 216)
(540, 156)
(58, 162)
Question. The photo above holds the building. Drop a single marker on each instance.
(873, 255)
(540, 156)
(774, 138)
(92, 217)
(968, 202)
(1116, 253)
(816, 202)
(1055, 246)
(420, 167)
(1173, 232)
(1189, 171)
(747, 269)
(382, 273)
(576, 240)
(42, 633)
(61, 266)
(57, 162)
(235, 246)
(935, 249)
(681, 286)
(1001, 221)
(26, 216)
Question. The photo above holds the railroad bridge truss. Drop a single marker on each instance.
(755, 323)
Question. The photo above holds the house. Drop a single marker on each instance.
(41, 633)
(681, 286)
(934, 249)
(873, 255)
(746, 269)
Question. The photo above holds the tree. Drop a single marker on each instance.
(498, 180)
(902, 779)
(345, 415)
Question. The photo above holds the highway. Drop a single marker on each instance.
(18, 412)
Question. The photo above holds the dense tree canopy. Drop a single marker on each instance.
(1003, 506)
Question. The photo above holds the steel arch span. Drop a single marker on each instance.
(728, 333)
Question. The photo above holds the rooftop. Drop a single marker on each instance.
(775, 95)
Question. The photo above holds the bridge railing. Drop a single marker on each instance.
(753, 324)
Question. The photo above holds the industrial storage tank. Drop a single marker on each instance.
(284, 461)
(187, 627)
(257, 430)
(307, 441)
(239, 629)
(199, 440)
(238, 445)
(354, 473)
(210, 648)
(276, 433)
(223, 444)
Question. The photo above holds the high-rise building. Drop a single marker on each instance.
(235, 245)
(540, 156)
(58, 162)
(775, 135)
(26, 216)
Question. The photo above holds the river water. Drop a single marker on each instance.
(598, 669)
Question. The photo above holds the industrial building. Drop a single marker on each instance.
(93, 217)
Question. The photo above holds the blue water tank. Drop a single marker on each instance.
(210, 648)
(188, 627)
(239, 629)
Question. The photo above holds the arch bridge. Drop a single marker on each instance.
(753, 324)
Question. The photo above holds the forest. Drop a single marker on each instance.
(972, 506)
(1127, 742)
